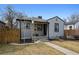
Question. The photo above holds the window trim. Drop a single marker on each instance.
(56, 27)
(27, 25)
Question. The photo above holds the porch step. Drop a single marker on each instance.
(41, 38)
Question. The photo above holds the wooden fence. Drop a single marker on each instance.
(9, 35)
(71, 32)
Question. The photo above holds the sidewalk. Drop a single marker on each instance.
(61, 49)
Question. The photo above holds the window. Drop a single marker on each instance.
(70, 27)
(39, 27)
(56, 29)
(28, 25)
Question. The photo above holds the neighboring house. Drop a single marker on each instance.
(72, 29)
(2, 24)
(72, 25)
(36, 27)
(56, 27)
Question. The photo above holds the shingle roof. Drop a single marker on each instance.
(38, 19)
(24, 18)
(33, 18)
(2, 22)
(71, 22)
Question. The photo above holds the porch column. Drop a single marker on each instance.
(20, 30)
(48, 30)
(32, 30)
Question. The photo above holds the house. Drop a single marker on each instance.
(35, 28)
(56, 27)
(72, 25)
(32, 28)
(72, 29)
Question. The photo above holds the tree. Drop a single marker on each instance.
(19, 15)
(73, 17)
(9, 15)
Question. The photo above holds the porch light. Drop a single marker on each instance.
(32, 22)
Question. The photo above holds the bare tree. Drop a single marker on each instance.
(9, 15)
(73, 17)
(19, 15)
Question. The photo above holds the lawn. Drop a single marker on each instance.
(30, 49)
(70, 44)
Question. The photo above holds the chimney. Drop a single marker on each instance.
(40, 17)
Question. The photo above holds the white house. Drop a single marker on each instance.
(56, 27)
(72, 25)
(32, 28)
(38, 28)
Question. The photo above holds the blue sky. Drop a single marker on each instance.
(45, 10)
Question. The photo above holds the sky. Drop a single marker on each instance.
(45, 10)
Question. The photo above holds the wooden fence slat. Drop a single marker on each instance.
(71, 32)
(9, 35)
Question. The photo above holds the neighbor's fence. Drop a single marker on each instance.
(71, 32)
(8, 35)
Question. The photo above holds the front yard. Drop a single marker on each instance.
(30, 49)
(38, 48)
(70, 44)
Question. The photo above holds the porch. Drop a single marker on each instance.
(40, 30)
(31, 31)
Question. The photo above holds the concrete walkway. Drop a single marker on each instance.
(61, 49)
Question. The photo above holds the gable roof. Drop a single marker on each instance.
(55, 17)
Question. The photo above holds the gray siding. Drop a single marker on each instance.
(52, 33)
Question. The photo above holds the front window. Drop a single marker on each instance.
(70, 27)
(28, 25)
(56, 29)
(38, 27)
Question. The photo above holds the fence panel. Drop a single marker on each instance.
(71, 32)
(9, 35)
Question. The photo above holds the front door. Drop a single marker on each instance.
(45, 29)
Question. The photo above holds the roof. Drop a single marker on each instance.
(38, 19)
(2, 22)
(32, 19)
(71, 22)
(56, 17)
(24, 18)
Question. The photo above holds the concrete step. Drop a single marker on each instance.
(41, 38)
